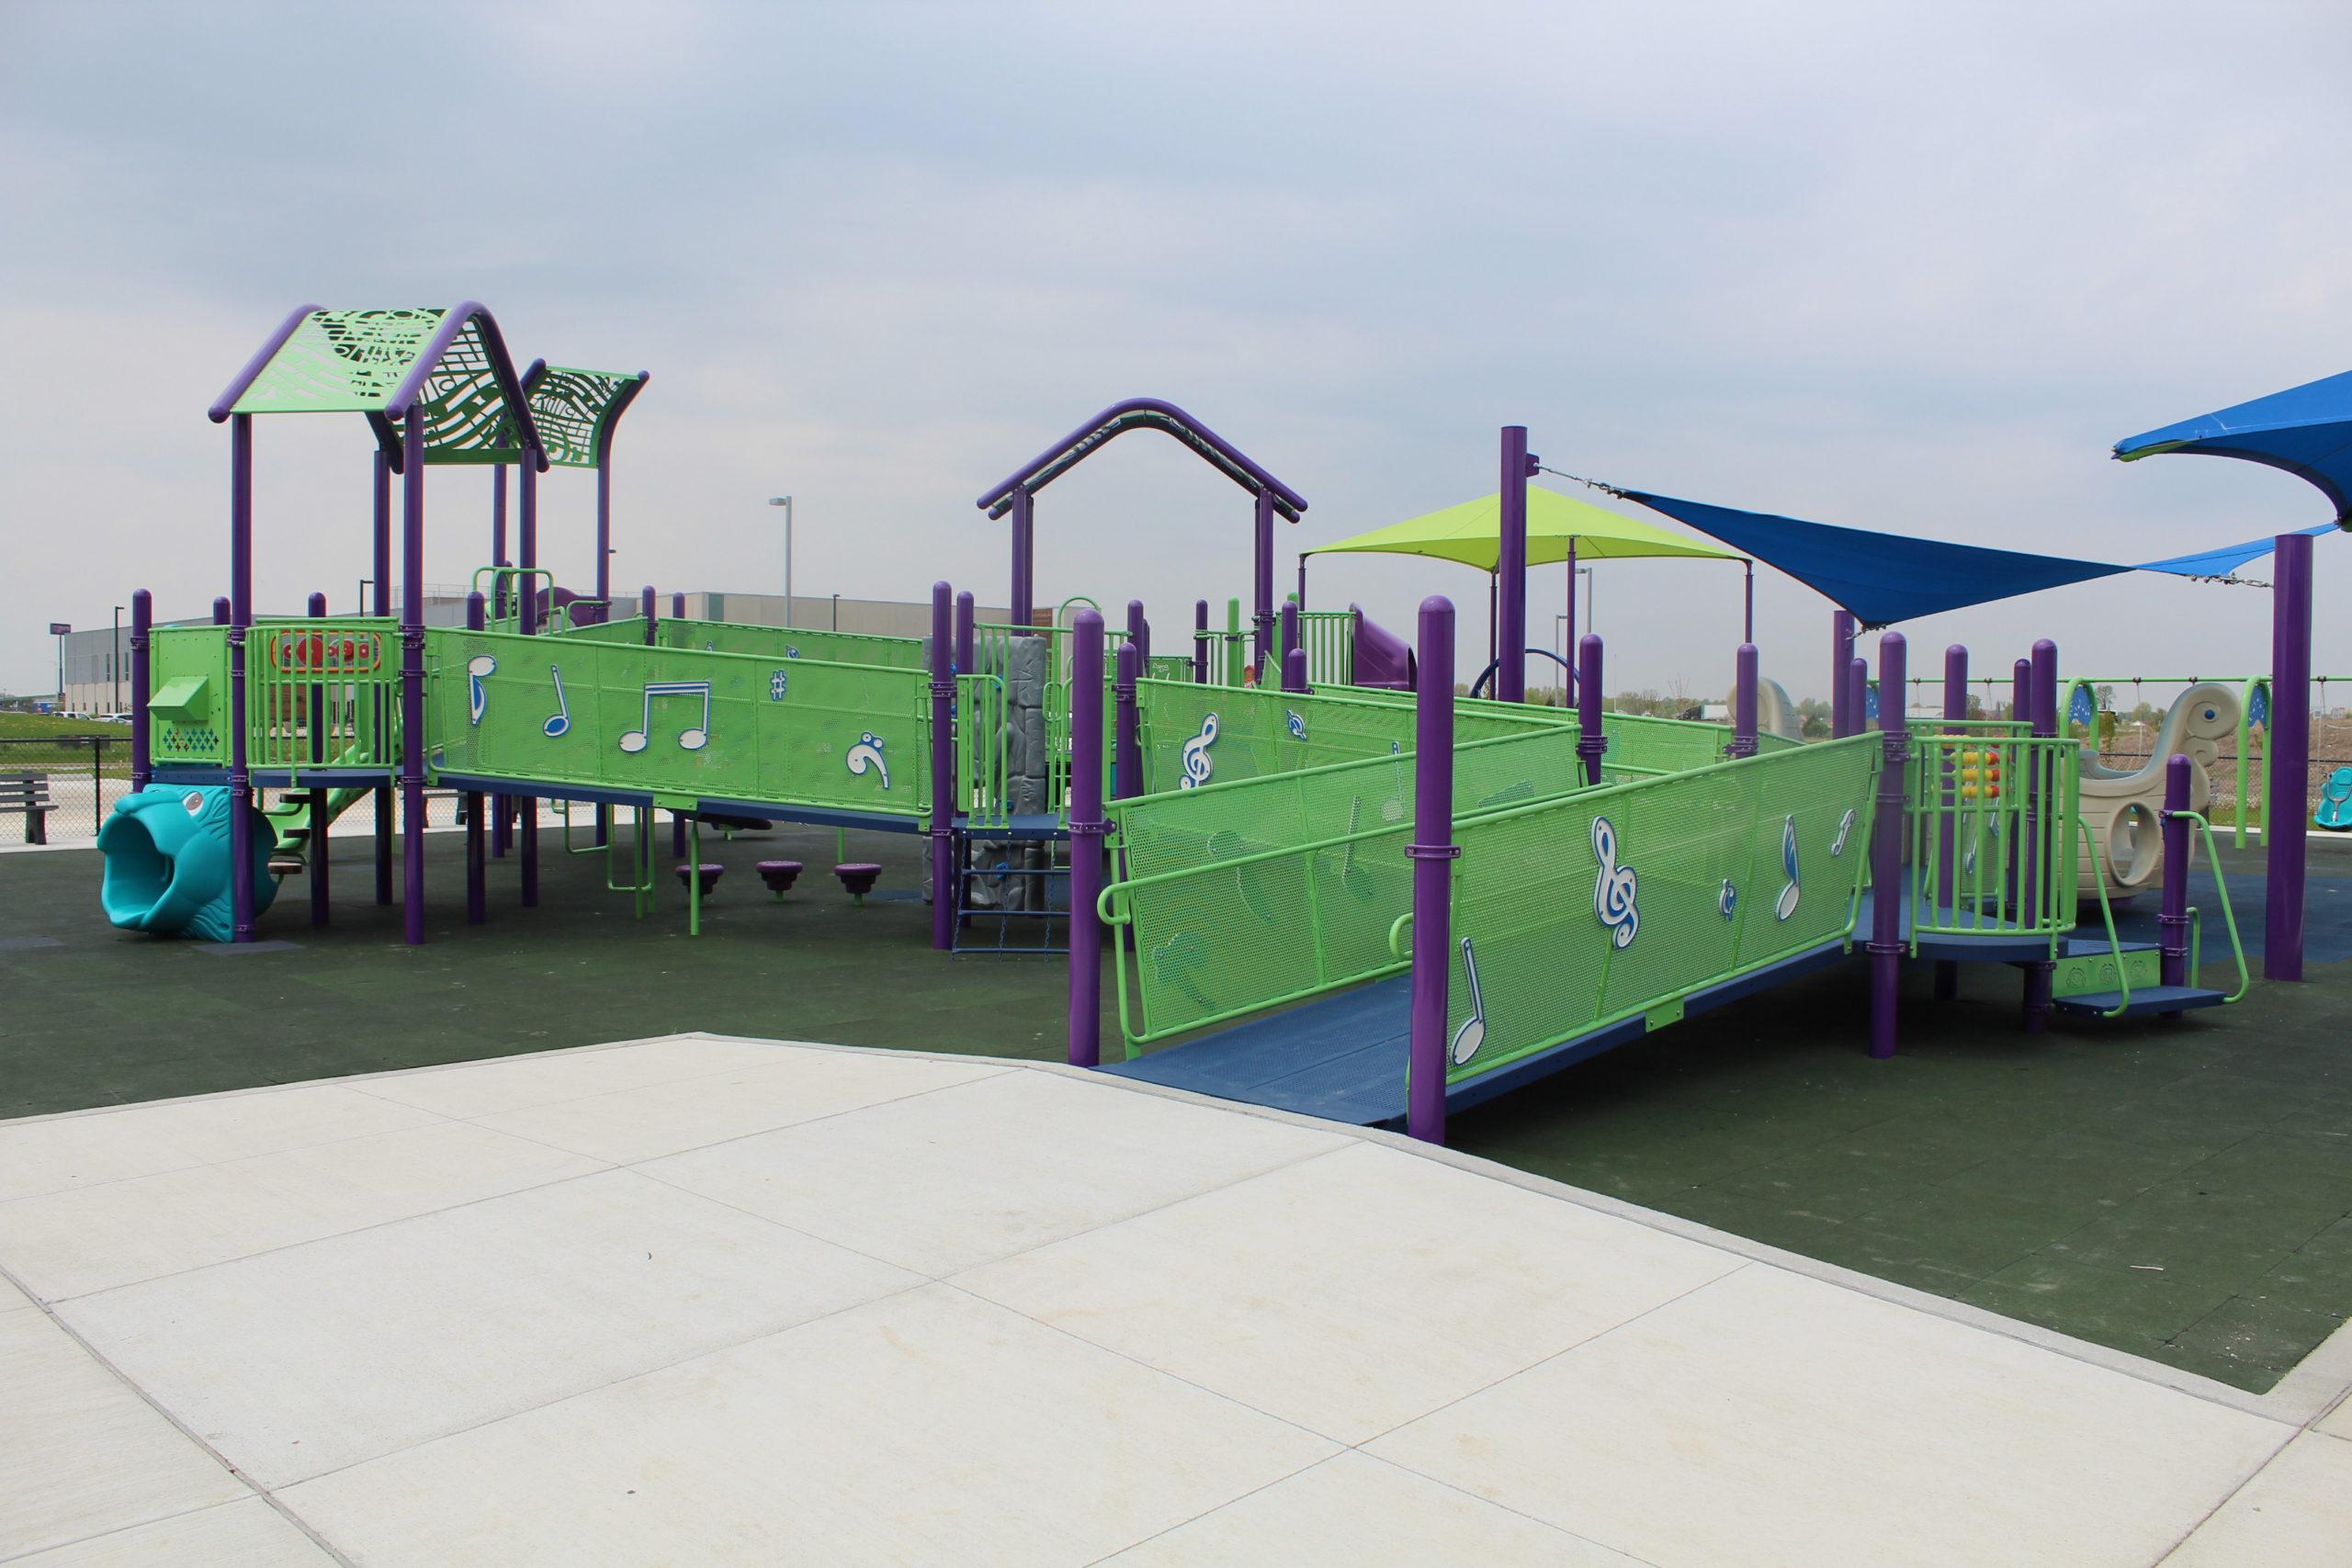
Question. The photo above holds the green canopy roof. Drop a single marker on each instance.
(1471, 534)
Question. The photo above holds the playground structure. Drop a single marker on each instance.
(1378, 897)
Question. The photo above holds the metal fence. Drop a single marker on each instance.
(85, 774)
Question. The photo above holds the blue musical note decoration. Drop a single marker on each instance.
(1298, 725)
(560, 722)
(1845, 826)
(1198, 764)
(1473, 1033)
(1728, 899)
(868, 753)
(1617, 888)
(1787, 903)
(778, 684)
(478, 696)
(693, 738)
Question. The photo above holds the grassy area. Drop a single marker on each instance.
(50, 725)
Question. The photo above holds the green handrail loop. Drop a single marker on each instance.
(2222, 886)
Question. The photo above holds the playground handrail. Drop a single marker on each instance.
(2229, 918)
(2114, 943)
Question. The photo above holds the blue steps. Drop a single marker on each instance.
(2144, 999)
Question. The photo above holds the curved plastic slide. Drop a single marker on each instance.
(167, 862)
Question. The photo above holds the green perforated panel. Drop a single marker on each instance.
(189, 668)
(1580, 912)
(353, 361)
(683, 723)
(570, 409)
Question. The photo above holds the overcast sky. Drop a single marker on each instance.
(1905, 267)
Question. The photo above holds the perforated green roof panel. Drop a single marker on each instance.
(353, 362)
(574, 411)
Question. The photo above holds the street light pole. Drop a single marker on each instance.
(785, 501)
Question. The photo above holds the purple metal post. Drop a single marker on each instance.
(1841, 660)
(142, 621)
(965, 652)
(1200, 642)
(1747, 605)
(477, 869)
(1126, 747)
(1086, 833)
(2043, 817)
(381, 501)
(412, 670)
(2172, 921)
(1510, 571)
(1590, 742)
(1858, 696)
(240, 617)
(317, 721)
(1262, 578)
(1955, 711)
(1885, 946)
(2020, 712)
(1136, 633)
(498, 530)
(1295, 670)
(604, 527)
(1289, 640)
(1569, 636)
(677, 607)
(221, 610)
(1432, 852)
(1743, 702)
(1024, 558)
(645, 601)
(2287, 812)
(527, 556)
(943, 766)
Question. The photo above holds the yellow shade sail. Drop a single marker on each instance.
(1471, 534)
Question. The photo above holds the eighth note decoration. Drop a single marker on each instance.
(693, 738)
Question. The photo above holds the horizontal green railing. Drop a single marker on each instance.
(792, 643)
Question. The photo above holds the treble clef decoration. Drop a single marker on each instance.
(1787, 903)
(1197, 763)
(1614, 892)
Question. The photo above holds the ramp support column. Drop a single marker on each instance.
(1743, 702)
(2172, 921)
(2286, 818)
(1432, 852)
(1886, 850)
(2042, 815)
(1086, 831)
(1590, 742)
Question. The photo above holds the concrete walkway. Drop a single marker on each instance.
(702, 1301)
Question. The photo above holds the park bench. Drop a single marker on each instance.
(29, 793)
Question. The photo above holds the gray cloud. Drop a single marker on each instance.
(1900, 267)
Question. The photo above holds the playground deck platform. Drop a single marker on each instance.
(2031, 1176)
(712, 1300)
